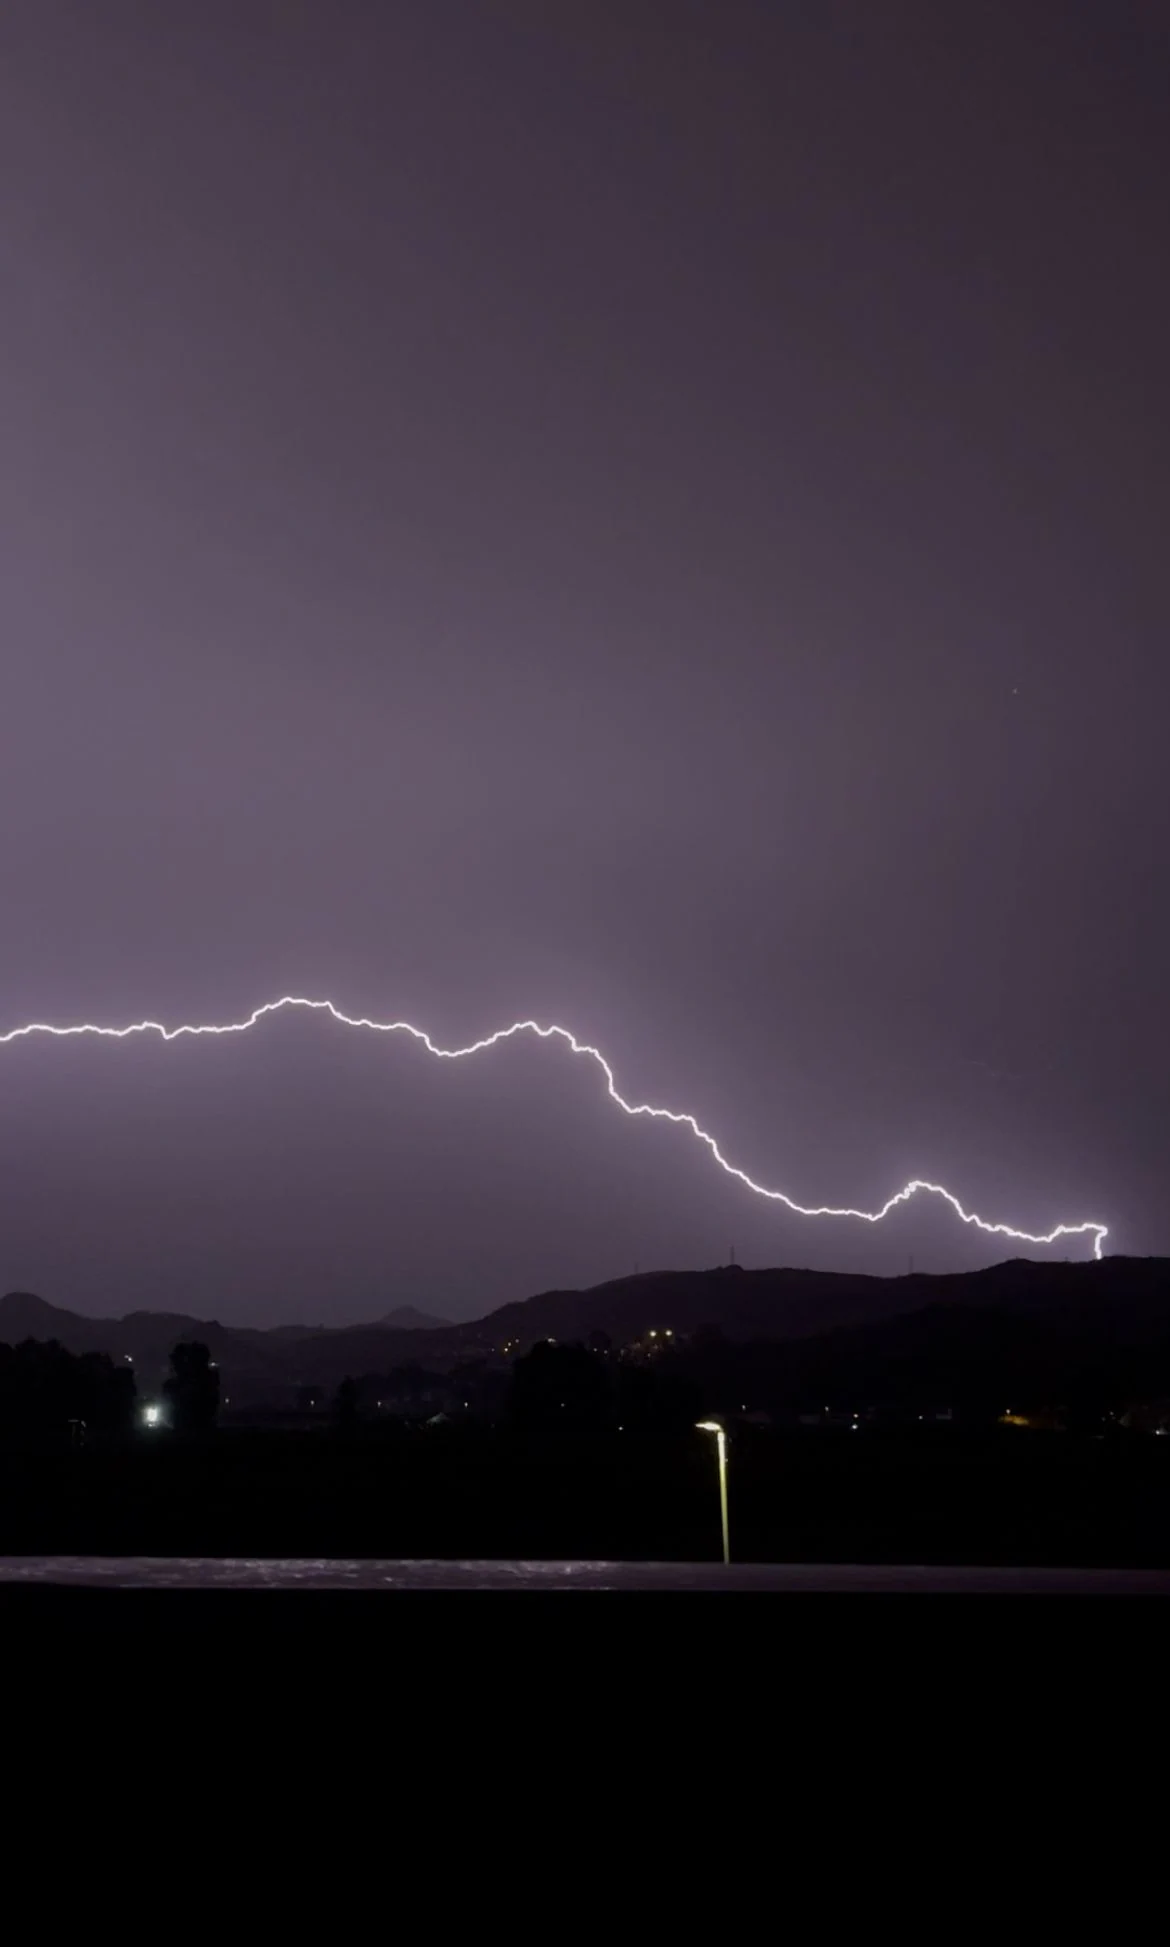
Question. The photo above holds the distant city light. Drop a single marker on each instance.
(152, 1415)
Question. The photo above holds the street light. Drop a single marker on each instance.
(713, 1426)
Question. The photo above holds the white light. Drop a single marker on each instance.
(1098, 1232)
(152, 1415)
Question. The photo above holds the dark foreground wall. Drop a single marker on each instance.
(1008, 1497)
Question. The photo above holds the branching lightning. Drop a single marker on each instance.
(1098, 1232)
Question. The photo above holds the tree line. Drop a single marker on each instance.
(45, 1390)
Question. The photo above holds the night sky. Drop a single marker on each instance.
(650, 514)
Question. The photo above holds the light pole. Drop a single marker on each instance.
(713, 1426)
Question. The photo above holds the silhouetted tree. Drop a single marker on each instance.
(43, 1388)
(559, 1386)
(193, 1388)
(406, 1385)
(657, 1398)
(465, 1384)
(345, 1406)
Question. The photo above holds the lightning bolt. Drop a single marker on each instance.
(1098, 1232)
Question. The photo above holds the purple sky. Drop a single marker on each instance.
(646, 513)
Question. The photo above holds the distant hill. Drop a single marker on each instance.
(254, 1364)
(792, 1304)
(24, 1316)
(145, 1338)
(989, 1359)
(408, 1318)
(1114, 1300)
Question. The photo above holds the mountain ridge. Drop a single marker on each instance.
(779, 1304)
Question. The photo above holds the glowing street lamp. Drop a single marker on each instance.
(713, 1426)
